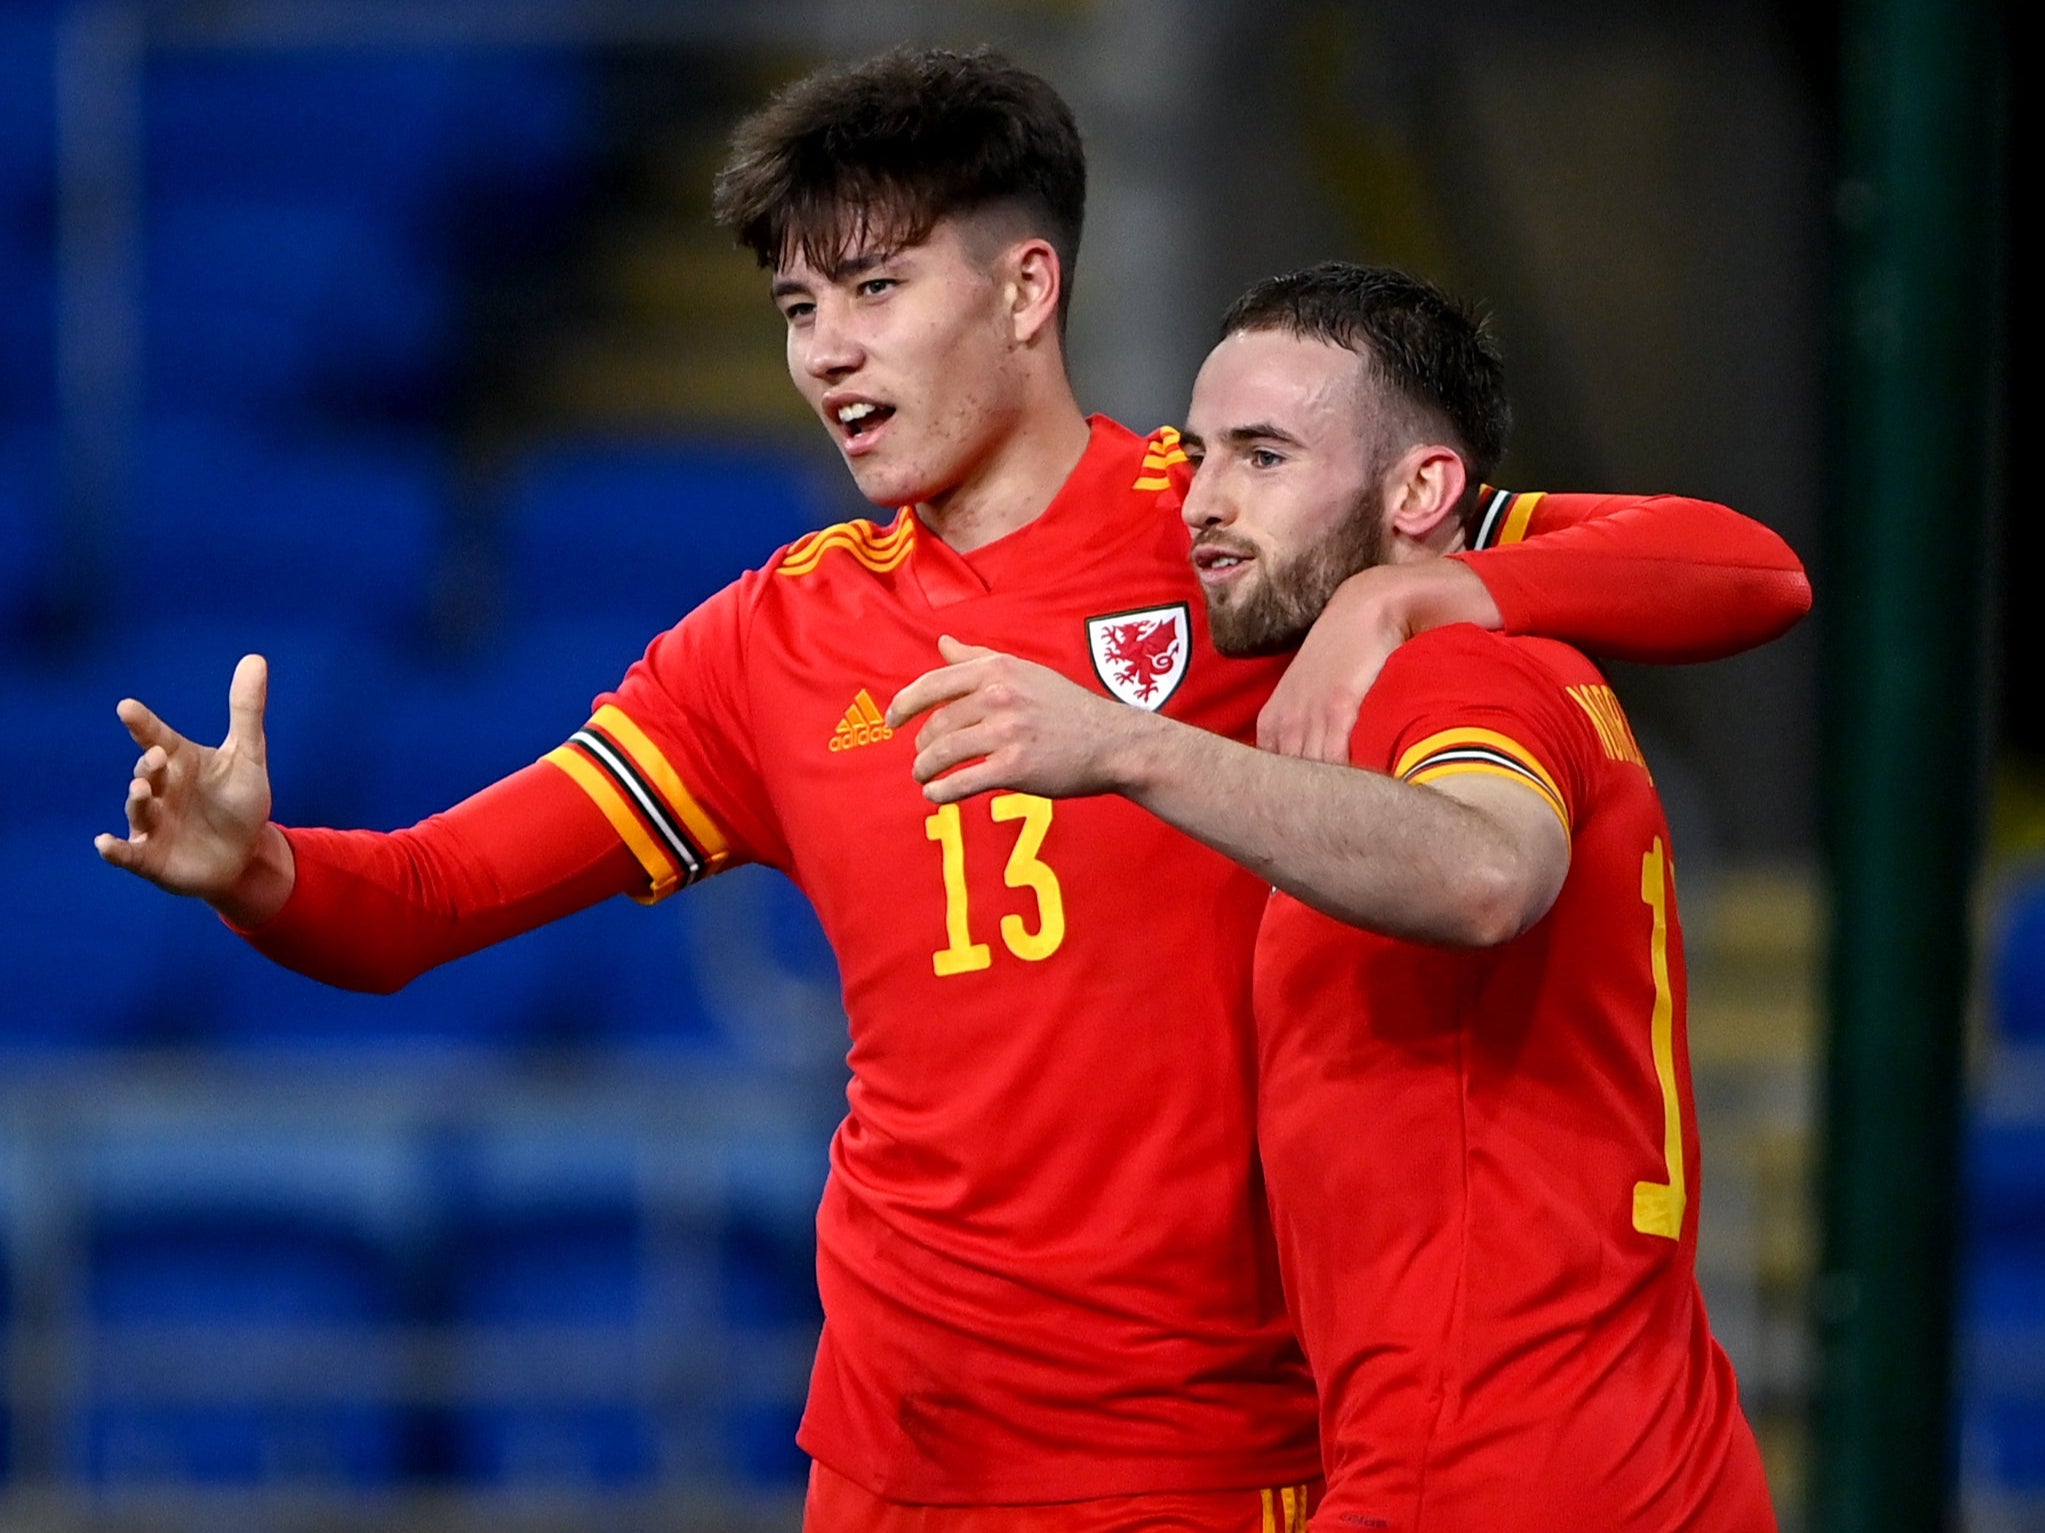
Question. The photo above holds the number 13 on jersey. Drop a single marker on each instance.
(961, 954)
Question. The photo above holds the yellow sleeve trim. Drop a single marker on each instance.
(1467, 768)
(660, 868)
(1522, 512)
(703, 831)
(1482, 739)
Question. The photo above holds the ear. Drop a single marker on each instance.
(1035, 280)
(1422, 490)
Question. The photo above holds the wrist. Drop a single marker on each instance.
(265, 882)
(1455, 593)
(1130, 745)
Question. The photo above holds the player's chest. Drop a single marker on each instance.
(824, 686)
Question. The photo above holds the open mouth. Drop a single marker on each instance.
(860, 419)
(1213, 562)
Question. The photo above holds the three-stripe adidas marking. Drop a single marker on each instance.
(863, 724)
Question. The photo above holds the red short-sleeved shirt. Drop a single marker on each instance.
(1043, 1249)
(1484, 1165)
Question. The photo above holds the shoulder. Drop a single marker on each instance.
(1466, 656)
(845, 549)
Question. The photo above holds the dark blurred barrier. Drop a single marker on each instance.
(1904, 741)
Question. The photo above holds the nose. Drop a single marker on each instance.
(827, 349)
(1205, 504)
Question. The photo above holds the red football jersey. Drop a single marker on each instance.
(1483, 1164)
(1043, 1251)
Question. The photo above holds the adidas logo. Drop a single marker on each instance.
(862, 725)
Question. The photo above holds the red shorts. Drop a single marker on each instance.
(836, 1505)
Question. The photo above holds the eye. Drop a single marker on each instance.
(873, 287)
(1263, 457)
(1195, 456)
(797, 311)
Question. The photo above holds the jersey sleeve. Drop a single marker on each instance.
(670, 760)
(1458, 701)
(373, 910)
(1656, 578)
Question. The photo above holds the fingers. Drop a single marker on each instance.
(114, 850)
(247, 696)
(940, 752)
(943, 685)
(144, 808)
(954, 652)
(965, 782)
(144, 727)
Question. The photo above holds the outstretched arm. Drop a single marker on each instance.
(1657, 578)
(360, 909)
(1472, 862)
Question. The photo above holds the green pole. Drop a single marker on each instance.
(1901, 602)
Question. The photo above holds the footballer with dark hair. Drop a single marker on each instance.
(1050, 1290)
(1473, 1074)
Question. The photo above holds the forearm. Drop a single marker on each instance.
(1660, 579)
(1375, 853)
(369, 910)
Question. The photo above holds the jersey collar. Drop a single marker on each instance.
(1088, 512)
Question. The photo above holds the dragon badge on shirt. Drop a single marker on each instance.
(1141, 656)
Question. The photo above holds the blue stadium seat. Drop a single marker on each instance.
(388, 131)
(28, 527)
(28, 127)
(445, 731)
(646, 531)
(28, 326)
(58, 716)
(265, 308)
(635, 976)
(768, 1248)
(248, 528)
(96, 958)
(551, 1264)
(269, 1264)
(2019, 964)
(2002, 1310)
(515, 996)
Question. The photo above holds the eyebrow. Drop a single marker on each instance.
(1242, 436)
(837, 271)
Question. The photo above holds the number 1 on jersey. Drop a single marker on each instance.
(1025, 870)
(1658, 1206)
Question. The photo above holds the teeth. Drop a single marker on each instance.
(859, 412)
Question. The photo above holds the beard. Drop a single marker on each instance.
(1274, 614)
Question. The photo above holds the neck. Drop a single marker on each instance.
(1017, 480)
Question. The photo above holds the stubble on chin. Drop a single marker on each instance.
(1287, 596)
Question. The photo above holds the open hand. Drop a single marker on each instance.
(1001, 722)
(195, 813)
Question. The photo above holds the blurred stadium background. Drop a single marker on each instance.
(393, 340)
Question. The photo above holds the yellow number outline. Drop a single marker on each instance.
(1658, 1206)
(1026, 870)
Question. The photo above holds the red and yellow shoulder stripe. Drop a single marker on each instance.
(876, 548)
(1505, 516)
(611, 759)
(1453, 752)
(1161, 454)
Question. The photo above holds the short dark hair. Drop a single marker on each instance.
(883, 148)
(1424, 349)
